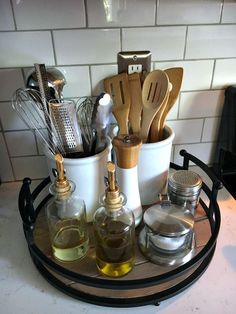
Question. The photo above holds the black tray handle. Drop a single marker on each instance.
(217, 184)
(25, 205)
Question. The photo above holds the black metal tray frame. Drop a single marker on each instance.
(201, 260)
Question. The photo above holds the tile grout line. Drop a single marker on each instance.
(86, 13)
(13, 15)
(8, 155)
(90, 80)
(213, 74)
(185, 43)
(114, 63)
(221, 11)
(155, 15)
(53, 48)
(203, 126)
(86, 28)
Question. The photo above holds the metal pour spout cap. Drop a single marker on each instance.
(113, 198)
(62, 187)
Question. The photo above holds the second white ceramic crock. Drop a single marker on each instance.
(153, 167)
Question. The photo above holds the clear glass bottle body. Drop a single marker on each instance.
(114, 232)
(67, 227)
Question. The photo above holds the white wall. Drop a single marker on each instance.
(82, 40)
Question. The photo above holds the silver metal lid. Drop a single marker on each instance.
(185, 181)
(169, 219)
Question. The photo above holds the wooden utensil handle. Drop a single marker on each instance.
(157, 123)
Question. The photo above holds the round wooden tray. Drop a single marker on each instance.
(147, 283)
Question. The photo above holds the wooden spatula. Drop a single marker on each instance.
(175, 76)
(136, 104)
(154, 94)
(118, 88)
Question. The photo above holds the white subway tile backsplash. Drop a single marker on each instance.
(210, 129)
(224, 73)
(10, 79)
(6, 16)
(173, 113)
(26, 140)
(56, 14)
(86, 46)
(229, 11)
(201, 104)
(25, 48)
(197, 74)
(121, 13)
(6, 173)
(186, 131)
(77, 81)
(188, 11)
(203, 151)
(212, 41)
(34, 167)
(98, 74)
(165, 43)
(9, 118)
(82, 38)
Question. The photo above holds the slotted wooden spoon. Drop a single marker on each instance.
(154, 94)
(136, 104)
(118, 88)
(175, 76)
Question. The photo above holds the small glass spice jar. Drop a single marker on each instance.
(184, 187)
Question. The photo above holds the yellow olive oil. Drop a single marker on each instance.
(70, 243)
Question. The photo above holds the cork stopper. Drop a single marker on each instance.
(127, 149)
(113, 199)
(62, 186)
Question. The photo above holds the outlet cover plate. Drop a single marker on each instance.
(134, 61)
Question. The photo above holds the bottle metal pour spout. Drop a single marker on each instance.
(114, 231)
(66, 218)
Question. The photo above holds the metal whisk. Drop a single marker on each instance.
(28, 104)
(84, 116)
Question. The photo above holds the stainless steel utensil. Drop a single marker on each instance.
(55, 80)
(43, 88)
(28, 105)
(85, 108)
(63, 117)
(101, 119)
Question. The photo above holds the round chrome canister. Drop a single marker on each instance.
(168, 236)
(184, 187)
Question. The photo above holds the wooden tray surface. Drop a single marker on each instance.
(143, 268)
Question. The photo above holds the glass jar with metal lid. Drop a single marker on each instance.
(184, 186)
(168, 235)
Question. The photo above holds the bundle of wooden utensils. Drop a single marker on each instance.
(142, 109)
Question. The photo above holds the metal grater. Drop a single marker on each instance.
(41, 74)
(63, 116)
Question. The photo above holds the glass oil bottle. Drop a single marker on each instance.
(114, 228)
(66, 218)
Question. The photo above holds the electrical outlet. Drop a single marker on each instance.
(134, 61)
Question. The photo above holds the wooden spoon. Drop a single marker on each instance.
(175, 76)
(136, 105)
(154, 94)
(118, 88)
